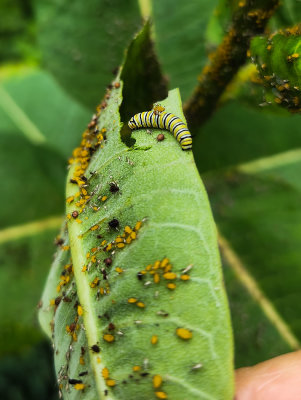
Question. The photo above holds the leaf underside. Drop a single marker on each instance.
(132, 309)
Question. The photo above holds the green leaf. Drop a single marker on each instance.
(123, 311)
(180, 39)
(288, 14)
(239, 133)
(219, 22)
(50, 122)
(17, 31)
(260, 215)
(21, 162)
(82, 42)
(25, 258)
(143, 73)
(28, 375)
(279, 64)
(256, 338)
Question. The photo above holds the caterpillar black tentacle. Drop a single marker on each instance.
(163, 120)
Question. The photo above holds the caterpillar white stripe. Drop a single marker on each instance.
(163, 120)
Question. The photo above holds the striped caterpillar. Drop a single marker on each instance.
(157, 118)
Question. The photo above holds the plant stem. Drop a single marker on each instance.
(249, 19)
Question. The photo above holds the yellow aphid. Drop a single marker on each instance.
(136, 368)
(132, 300)
(170, 275)
(81, 360)
(164, 262)
(95, 282)
(171, 286)
(148, 267)
(109, 247)
(79, 386)
(154, 339)
(104, 198)
(88, 255)
(161, 395)
(120, 245)
(184, 333)
(111, 382)
(156, 278)
(119, 270)
(119, 240)
(93, 228)
(140, 304)
(103, 130)
(105, 373)
(80, 310)
(157, 381)
(138, 225)
(70, 199)
(79, 221)
(156, 265)
(127, 229)
(103, 242)
(167, 268)
(128, 240)
(158, 108)
(93, 259)
(66, 248)
(98, 360)
(185, 277)
(133, 235)
(52, 302)
(108, 338)
(84, 269)
(74, 337)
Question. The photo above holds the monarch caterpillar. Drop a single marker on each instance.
(157, 118)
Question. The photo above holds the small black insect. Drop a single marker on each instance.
(114, 187)
(95, 348)
(57, 300)
(74, 381)
(114, 223)
(139, 276)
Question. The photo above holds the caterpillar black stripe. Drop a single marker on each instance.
(163, 120)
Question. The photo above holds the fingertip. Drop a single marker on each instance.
(276, 379)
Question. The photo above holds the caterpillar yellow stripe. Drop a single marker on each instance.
(163, 120)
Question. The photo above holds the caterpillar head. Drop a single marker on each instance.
(132, 123)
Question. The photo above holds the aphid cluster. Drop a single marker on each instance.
(94, 137)
(129, 234)
(281, 78)
(162, 271)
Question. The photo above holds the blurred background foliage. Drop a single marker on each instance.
(56, 59)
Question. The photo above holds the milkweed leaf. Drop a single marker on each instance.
(147, 299)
